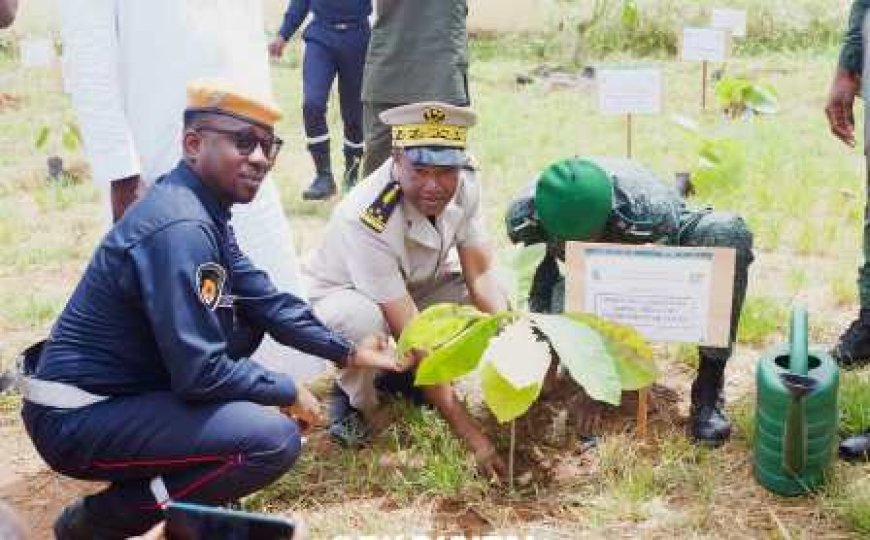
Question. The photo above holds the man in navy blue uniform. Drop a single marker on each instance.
(335, 43)
(145, 380)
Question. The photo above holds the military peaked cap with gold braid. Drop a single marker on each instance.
(431, 133)
(377, 214)
(429, 123)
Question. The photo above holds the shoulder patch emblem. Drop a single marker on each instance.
(210, 280)
(377, 214)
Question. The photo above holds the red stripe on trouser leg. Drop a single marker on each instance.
(160, 462)
(229, 462)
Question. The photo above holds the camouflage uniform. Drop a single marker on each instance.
(645, 210)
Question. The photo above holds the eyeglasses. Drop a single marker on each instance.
(246, 141)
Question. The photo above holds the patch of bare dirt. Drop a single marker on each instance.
(34, 492)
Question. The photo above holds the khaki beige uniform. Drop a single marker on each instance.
(358, 268)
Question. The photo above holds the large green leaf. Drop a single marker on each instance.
(634, 359)
(518, 355)
(584, 353)
(458, 356)
(505, 401)
(435, 326)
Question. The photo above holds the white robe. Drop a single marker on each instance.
(126, 66)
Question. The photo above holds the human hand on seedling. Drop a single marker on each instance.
(306, 410)
(375, 352)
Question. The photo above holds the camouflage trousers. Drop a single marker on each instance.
(701, 228)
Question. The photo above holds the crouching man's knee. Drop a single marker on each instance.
(274, 446)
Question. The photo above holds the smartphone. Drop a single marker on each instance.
(188, 521)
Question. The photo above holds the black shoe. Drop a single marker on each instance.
(709, 424)
(346, 424)
(853, 348)
(856, 447)
(73, 523)
(322, 187)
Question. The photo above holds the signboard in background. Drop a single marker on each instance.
(703, 45)
(731, 20)
(37, 52)
(629, 90)
(669, 294)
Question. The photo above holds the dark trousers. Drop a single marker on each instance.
(330, 53)
(209, 453)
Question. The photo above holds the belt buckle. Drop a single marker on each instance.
(341, 26)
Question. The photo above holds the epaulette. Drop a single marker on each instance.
(377, 214)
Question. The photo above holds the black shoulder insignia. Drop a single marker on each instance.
(377, 214)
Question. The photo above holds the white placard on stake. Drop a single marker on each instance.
(37, 53)
(636, 90)
(732, 20)
(669, 294)
(703, 45)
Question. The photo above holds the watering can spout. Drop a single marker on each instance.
(799, 385)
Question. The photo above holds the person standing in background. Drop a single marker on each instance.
(418, 52)
(853, 347)
(335, 44)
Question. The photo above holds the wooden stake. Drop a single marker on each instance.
(642, 412)
(628, 134)
(704, 85)
(511, 455)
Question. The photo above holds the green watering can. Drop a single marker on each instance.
(796, 413)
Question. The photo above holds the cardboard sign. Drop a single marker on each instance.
(629, 90)
(731, 20)
(669, 294)
(37, 53)
(703, 45)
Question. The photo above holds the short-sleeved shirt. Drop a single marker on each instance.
(418, 52)
(407, 255)
(161, 299)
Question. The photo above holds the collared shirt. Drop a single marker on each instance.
(418, 52)
(140, 320)
(852, 53)
(410, 253)
(331, 12)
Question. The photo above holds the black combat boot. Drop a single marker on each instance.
(709, 425)
(853, 347)
(352, 164)
(73, 523)
(346, 424)
(323, 185)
